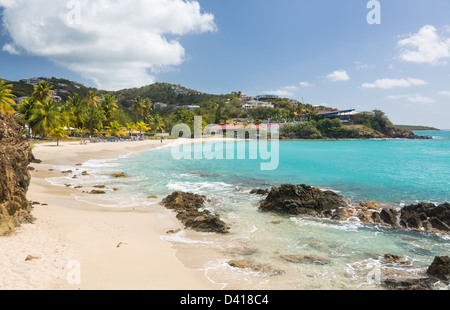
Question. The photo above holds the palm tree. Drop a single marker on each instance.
(148, 106)
(158, 123)
(78, 107)
(92, 102)
(131, 127)
(6, 97)
(142, 127)
(43, 91)
(138, 107)
(25, 110)
(109, 106)
(45, 117)
(115, 129)
(59, 133)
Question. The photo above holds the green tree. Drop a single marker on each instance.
(79, 110)
(58, 134)
(141, 126)
(6, 97)
(45, 117)
(158, 123)
(43, 91)
(92, 102)
(138, 108)
(109, 106)
(25, 110)
(115, 129)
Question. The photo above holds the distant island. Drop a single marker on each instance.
(417, 128)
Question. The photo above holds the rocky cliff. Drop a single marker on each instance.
(15, 156)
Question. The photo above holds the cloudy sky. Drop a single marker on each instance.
(320, 52)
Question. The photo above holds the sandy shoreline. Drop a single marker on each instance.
(76, 246)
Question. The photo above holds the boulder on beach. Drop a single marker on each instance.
(302, 199)
(97, 192)
(119, 175)
(190, 209)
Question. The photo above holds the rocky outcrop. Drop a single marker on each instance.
(190, 209)
(403, 277)
(291, 199)
(426, 216)
(440, 269)
(15, 156)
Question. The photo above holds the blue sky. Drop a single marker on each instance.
(321, 52)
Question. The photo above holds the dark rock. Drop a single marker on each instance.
(99, 186)
(427, 216)
(376, 218)
(259, 192)
(440, 269)
(84, 173)
(15, 156)
(389, 217)
(190, 211)
(291, 199)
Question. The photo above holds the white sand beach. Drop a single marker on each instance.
(73, 245)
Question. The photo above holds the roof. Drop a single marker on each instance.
(236, 127)
(334, 112)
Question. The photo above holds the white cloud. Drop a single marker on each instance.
(391, 83)
(115, 43)
(416, 98)
(426, 46)
(286, 91)
(10, 48)
(338, 76)
(306, 84)
(444, 93)
(361, 66)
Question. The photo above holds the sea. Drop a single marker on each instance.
(393, 173)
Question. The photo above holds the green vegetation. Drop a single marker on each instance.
(325, 128)
(59, 103)
(417, 128)
(6, 97)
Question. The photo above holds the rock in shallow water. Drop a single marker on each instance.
(302, 199)
(190, 211)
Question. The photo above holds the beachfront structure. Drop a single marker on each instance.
(257, 104)
(342, 115)
(233, 130)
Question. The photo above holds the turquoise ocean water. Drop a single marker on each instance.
(392, 172)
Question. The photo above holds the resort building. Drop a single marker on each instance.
(235, 129)
(266, 97)
(257, 104)
(160, 105)
(342, 115)
(32, 81)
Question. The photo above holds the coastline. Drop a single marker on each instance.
(109, 249)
